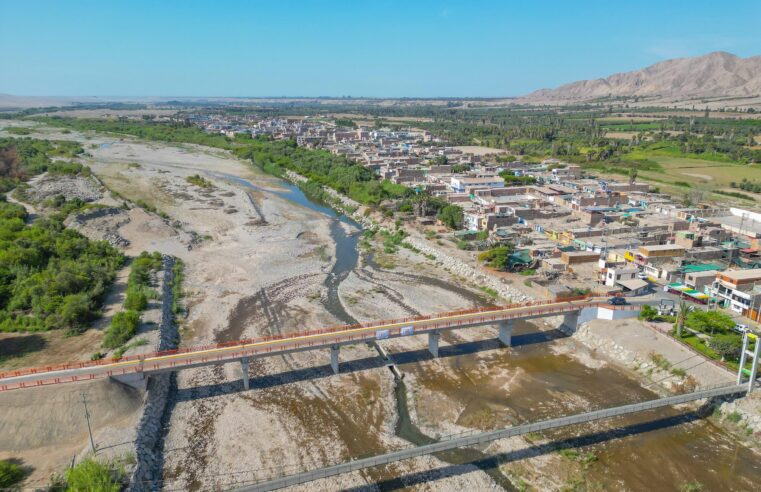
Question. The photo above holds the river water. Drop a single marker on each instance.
(660, 450)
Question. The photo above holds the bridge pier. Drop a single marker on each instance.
(244, 364)
(743, 358)
(571, 321)
(754, 366)
(334, 358)
(433, 343)
(506, 332)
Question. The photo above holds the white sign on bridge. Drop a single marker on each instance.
(407, 330)
(381, 334)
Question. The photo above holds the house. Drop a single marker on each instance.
(634, 286)
(656, 253)
(736, 289)
(700, 280)
(574, 257)
(460, 184)
(615, 275)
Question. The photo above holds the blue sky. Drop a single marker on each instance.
(350, 48)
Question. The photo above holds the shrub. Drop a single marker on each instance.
(10, 474)
(734, 417)
(123, 327)
(200, 181)
(136, 299)
(90, 476)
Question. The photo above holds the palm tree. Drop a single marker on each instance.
(680, 316)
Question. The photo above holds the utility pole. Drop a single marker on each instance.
(89, 428)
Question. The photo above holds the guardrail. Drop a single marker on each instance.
(483, 437)
(221, 352)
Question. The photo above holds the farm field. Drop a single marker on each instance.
(679, 175)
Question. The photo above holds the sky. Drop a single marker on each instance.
(358, 48)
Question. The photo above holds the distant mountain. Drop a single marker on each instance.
(717, 74)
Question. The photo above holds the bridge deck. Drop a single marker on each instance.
(276, 345)
(483, 437)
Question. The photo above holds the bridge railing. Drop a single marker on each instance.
(307, 333)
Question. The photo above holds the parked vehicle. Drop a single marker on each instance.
(617, 301)
(741, 328)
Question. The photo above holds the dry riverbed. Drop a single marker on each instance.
(259, 264)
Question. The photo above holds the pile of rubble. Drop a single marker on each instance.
(70, 187)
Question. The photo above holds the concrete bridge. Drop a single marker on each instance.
(134, 370)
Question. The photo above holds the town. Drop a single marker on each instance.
(593, 234)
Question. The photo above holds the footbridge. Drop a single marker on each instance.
(135, 370)
(473, 439)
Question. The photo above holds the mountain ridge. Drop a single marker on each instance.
(715, 74)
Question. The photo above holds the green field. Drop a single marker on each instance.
(680, 175)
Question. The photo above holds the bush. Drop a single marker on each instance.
(90, 476)
(648, 313)
(498, 258)
(200, 181)
(136, 299)
(10, 474)
(177, 294)
(123, 327)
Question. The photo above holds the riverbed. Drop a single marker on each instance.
(477, 384)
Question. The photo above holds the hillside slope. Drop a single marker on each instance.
(717, 74)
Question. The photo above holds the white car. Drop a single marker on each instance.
(740, 328)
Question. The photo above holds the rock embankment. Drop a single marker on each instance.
(462, 269)
(147, 474)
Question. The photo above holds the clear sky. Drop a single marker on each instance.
(351, 48)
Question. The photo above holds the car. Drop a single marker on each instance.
(740, 328)
(617, 301)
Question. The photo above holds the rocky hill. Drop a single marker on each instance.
(717, 74)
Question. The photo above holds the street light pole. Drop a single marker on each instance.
(89, 428)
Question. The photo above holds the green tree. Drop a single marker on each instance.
(728, 346)
(709, 321)
(452, 216)
(498, 258)
(680, 317)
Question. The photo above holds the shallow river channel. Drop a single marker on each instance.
(653, 451)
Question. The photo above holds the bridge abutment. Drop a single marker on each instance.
(433, 343)
(334, 358)
(506, 332)
(137, 380)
